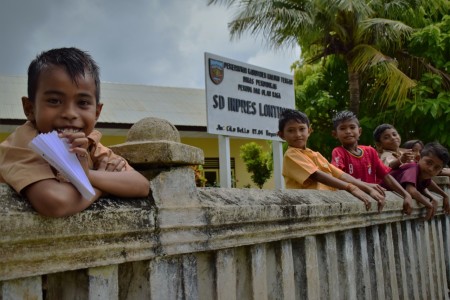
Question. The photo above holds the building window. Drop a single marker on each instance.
(211, 171)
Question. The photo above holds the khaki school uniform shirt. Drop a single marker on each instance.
(299, 165)
(20, 166)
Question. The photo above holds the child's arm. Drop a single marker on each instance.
(395, 186)
(57, 199)
(445, 172)
(121, 184)
(378, 195)
(342, 185)
(445, 199)
(405, 157)
(411, 189)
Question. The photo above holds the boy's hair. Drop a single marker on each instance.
(410, 144)
(290, 114)
(342, 116)
(437, 150)
(379, 131)
(75, 61)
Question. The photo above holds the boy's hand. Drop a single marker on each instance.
(78, 144)
(446, 205)
(361, 196)
(112, 165)
(430, 212)
(407, 157)
(407, 204)
(378, 188)
(379, 197)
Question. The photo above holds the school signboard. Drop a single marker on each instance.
(245, 100)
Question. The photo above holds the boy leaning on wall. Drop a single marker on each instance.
(64, 96)
(307, 169)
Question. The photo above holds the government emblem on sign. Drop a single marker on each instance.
(216, 70)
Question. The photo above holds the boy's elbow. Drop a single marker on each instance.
(56, 207)
(144, 189)
(54, 204)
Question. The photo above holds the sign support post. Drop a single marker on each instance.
(224, 161)
(277, 148)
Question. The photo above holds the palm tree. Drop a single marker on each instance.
(365, 34)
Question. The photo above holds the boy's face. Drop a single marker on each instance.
(61, 104)
(430, 166)
(348, 132)
(390, 140)
(295, 134)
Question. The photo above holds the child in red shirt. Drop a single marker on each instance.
(362, 162)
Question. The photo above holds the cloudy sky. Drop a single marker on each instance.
(151, 42)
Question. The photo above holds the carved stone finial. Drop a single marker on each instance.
(153, 129)
(156, 142)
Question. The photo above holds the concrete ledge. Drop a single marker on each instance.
(109, 232)
(177, 219)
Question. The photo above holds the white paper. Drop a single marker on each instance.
(56, 152)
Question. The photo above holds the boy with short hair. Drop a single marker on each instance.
(387, 141)
(416, 177)
(64, 95)
(307, 169)
(362, 162)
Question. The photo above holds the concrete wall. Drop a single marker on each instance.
(189, 243)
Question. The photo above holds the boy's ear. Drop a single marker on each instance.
(98, 110)
(280, 134)
(28, 109)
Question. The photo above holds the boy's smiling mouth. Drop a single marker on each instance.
(68, 130)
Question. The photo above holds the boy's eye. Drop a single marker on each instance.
(84, 102)
(53, 101)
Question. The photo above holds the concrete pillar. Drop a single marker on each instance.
(399, 251)
(332, 266)
(389, 257)
(347, 266)
(24, 288)
(226, 275)
(259, 271)
(103, 283)
(312, 268)
(362, 265)
(287, 270)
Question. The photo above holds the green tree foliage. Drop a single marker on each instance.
(423, 115)
(258, 162)
(362, 33)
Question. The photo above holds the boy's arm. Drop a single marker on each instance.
(395, 186)
(445, 199)
(419, 197)
(378, 195)
(329, 180)
(57, 199)
(121, 184)
(445, 172)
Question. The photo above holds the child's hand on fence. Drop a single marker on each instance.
(355, 191)
(379, 197)
(407, 204)
(446, 205)
(116, 164)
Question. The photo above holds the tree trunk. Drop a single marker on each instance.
(353, 82)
